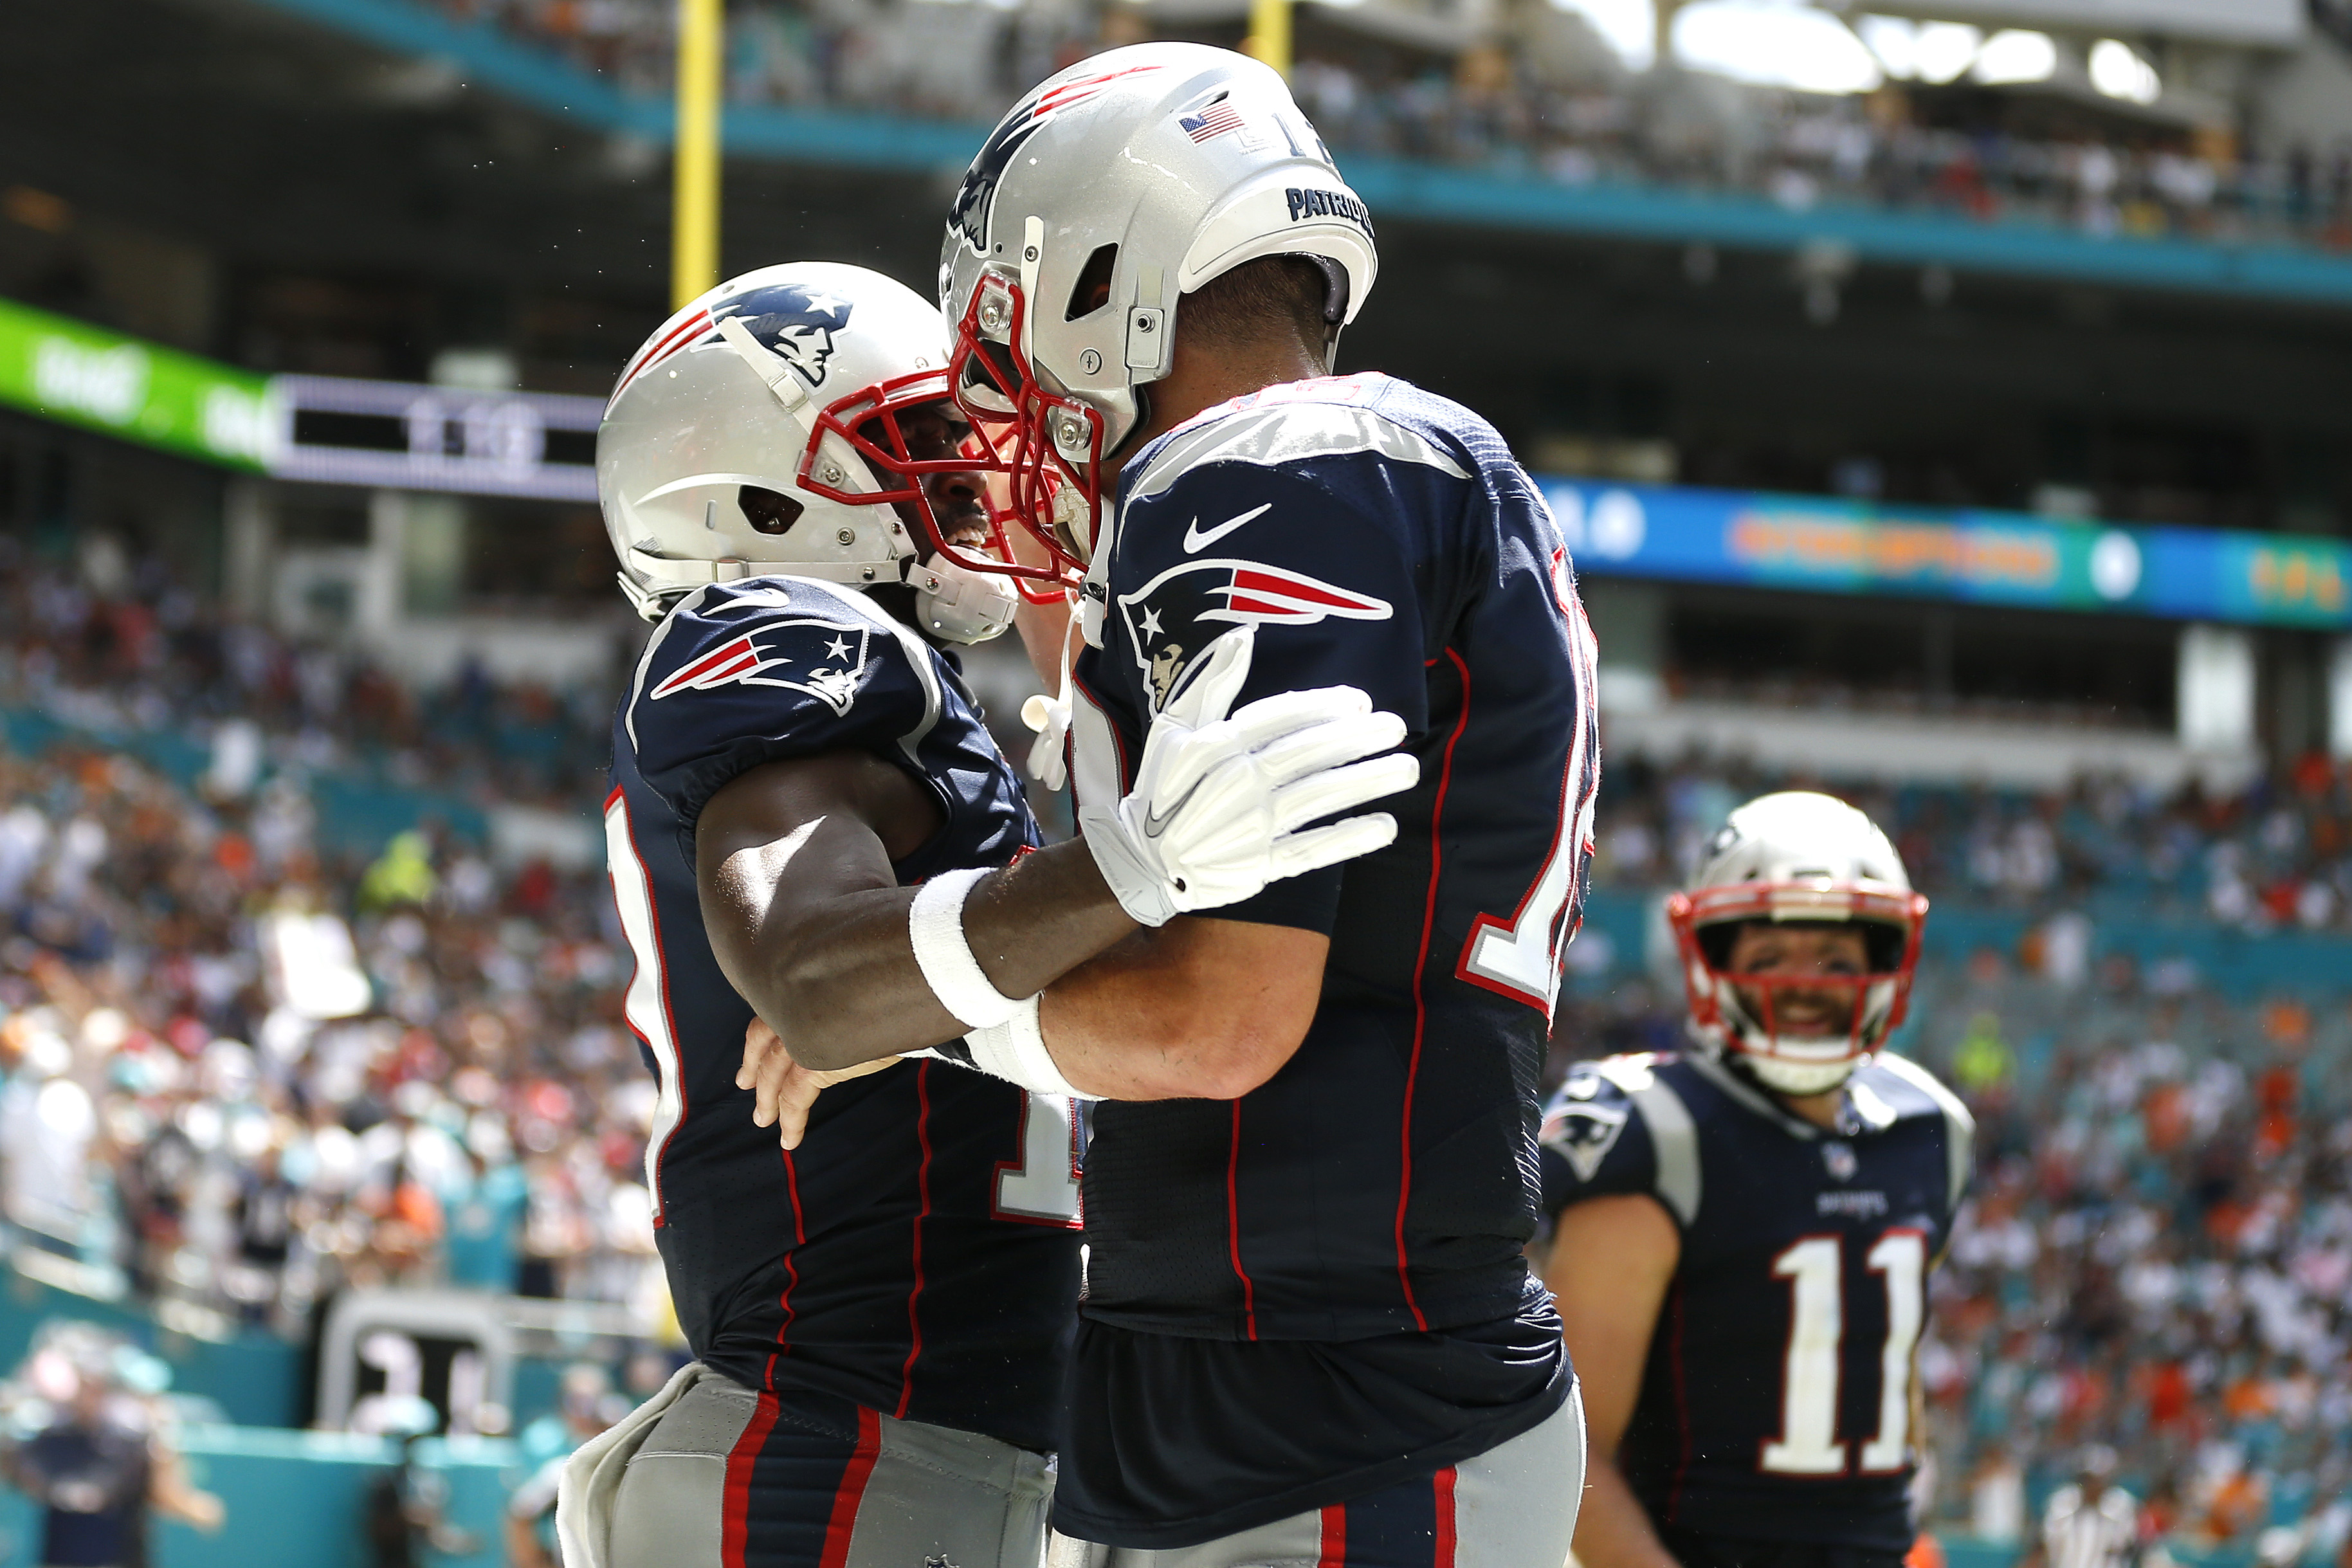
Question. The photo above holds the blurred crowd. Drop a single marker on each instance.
(242, 1066)
(2274, 856)
(1551, 101)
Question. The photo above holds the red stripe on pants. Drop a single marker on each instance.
(1443, 1556)
(1335, 1538)
(852, 1490)
(740, 1460)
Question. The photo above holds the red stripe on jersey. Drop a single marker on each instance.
(1306, 590)
(1335, 1538)
(923, 1187)
(740, 1460)
(1233, 1222)
(716, 662)
(852, 1490)
(1421, 996)
(791, 1270)
(1443, 1556)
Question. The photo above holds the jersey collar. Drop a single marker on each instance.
(1862, 1112)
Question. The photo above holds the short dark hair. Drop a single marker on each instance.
(1265, 298)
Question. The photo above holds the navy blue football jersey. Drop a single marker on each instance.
(1373, 1198)
(918, 1252)
(1776, 1404)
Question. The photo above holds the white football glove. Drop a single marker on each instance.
(1219, 801)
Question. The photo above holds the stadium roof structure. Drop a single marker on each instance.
(1396, 188)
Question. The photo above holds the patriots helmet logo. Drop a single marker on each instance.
(1582, 1132)
(976, 197)
(795, 320)
(1178, 612)
(758, 658)
(977, 194)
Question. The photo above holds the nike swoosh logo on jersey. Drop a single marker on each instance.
(1197, 539)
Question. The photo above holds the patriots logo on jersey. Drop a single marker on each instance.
(757, 656)
(1583, 1132)
(1176, 614)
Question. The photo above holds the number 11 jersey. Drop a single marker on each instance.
(1776, 1401)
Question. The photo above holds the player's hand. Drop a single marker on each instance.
(782, 1090)
(1221, 799)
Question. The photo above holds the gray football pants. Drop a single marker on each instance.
(732, 1478)
(1513, 1505)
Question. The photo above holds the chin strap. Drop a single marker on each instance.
(1050, 717)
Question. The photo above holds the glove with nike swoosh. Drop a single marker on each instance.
(1223, 797)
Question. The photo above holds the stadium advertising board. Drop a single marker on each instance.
(1818, 545)
(142, 392)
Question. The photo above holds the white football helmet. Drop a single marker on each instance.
(1796, 857)
(1146, 171)
(761, 430)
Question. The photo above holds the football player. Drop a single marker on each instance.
(878, 1317)
(1309, 1334)
(1769, 1205)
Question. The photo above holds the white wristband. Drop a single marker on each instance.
(1015, 1051)
(935, 927)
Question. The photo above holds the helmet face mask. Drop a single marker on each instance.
(1099, 201)
(1046, 445)
(772, 426)
(1798, 859)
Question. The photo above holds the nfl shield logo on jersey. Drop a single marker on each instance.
(1583, 1132)
(1839, 1158)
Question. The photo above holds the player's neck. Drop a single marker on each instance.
(1821, 1109)
(1202, 375)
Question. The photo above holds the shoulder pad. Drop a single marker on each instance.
(1959, 1126)
(1586, 1128)
(770, 668)
(1288, 424)
(1586, 1118)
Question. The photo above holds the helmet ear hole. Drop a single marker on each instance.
(1091, 292)
(770, 511)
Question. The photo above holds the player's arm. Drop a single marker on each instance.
(844, 967)
(809, 923)
(1200, 1009)
(1611, 1258)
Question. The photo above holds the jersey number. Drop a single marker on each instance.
(645, 1004)
(1043, 1189)
(1808, 1444)
(1521, 957)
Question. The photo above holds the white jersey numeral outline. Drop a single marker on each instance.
(1522, 957)
(646, 1005)
(1808, 1443)
(1043, 1189)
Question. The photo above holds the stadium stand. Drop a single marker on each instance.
(2157, 1255)
(1577, 121)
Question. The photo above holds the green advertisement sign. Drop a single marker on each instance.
(142, 392)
